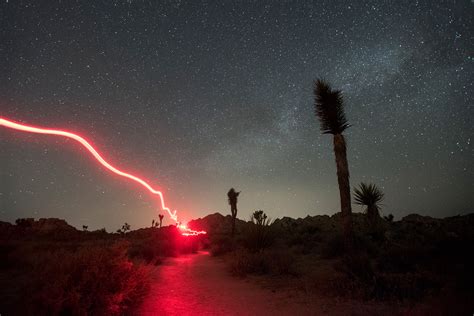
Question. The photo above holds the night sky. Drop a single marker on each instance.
(198, 97)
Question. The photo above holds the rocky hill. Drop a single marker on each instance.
(411, 228)
(29, 228)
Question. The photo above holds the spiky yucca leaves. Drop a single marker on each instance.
(370, 196)
(329, 108)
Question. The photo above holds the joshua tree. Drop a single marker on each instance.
(161, 219)
(84, 227)
(258, 235)
(260, 218)
(125, 227)
(153, 223)
(329, 108)
(370, 196)
(232, 196)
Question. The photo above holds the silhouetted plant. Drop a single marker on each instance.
(85, 227)
(161, 219)
(259, 235)
(232, 198)
(329, 108)
(260, 218)
(221, 244)
(25, 222)
(389, 218)
(370, 196)
(125, 228)
(155, 224)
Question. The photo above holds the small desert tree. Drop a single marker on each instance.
(329, 108)
(85, 227)
(125, 228)
(232, 196)
(161, 219)
(370, 196)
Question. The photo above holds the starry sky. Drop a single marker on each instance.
(201, 96)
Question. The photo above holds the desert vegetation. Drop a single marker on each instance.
(329, 109)
(50, 268)
(418, 263)
(232, 196)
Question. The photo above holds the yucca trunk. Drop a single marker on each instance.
(233, 210)
(373, 214)
(344, 187)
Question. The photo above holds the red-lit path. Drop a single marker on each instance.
(201, 285)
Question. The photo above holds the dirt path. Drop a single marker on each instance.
(200, 285)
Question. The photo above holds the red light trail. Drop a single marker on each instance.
(38, 130)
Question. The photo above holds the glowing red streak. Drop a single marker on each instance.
(32, 129)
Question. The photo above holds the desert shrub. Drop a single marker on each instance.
(306, 239)
(389, 218)
(6, 249)
(357, 267)
(244, 262)
(282, 262)
(146, 251)
(167, 247)
(359, 278)
(221, 244)
(356, 277)
(334, 247)
(404, 286)
(257, 238)
(189, 244)
(152, 244)
(258, 234)
(91, 280)
(401, 259)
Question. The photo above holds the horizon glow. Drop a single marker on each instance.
(39, 130)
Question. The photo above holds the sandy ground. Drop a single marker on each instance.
(201, 285)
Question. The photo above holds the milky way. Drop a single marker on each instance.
(200, 97)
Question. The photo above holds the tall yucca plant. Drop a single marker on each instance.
(329, 108)
(370, 196)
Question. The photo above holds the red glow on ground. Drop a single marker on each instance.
(38, 130)
(189, 232)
